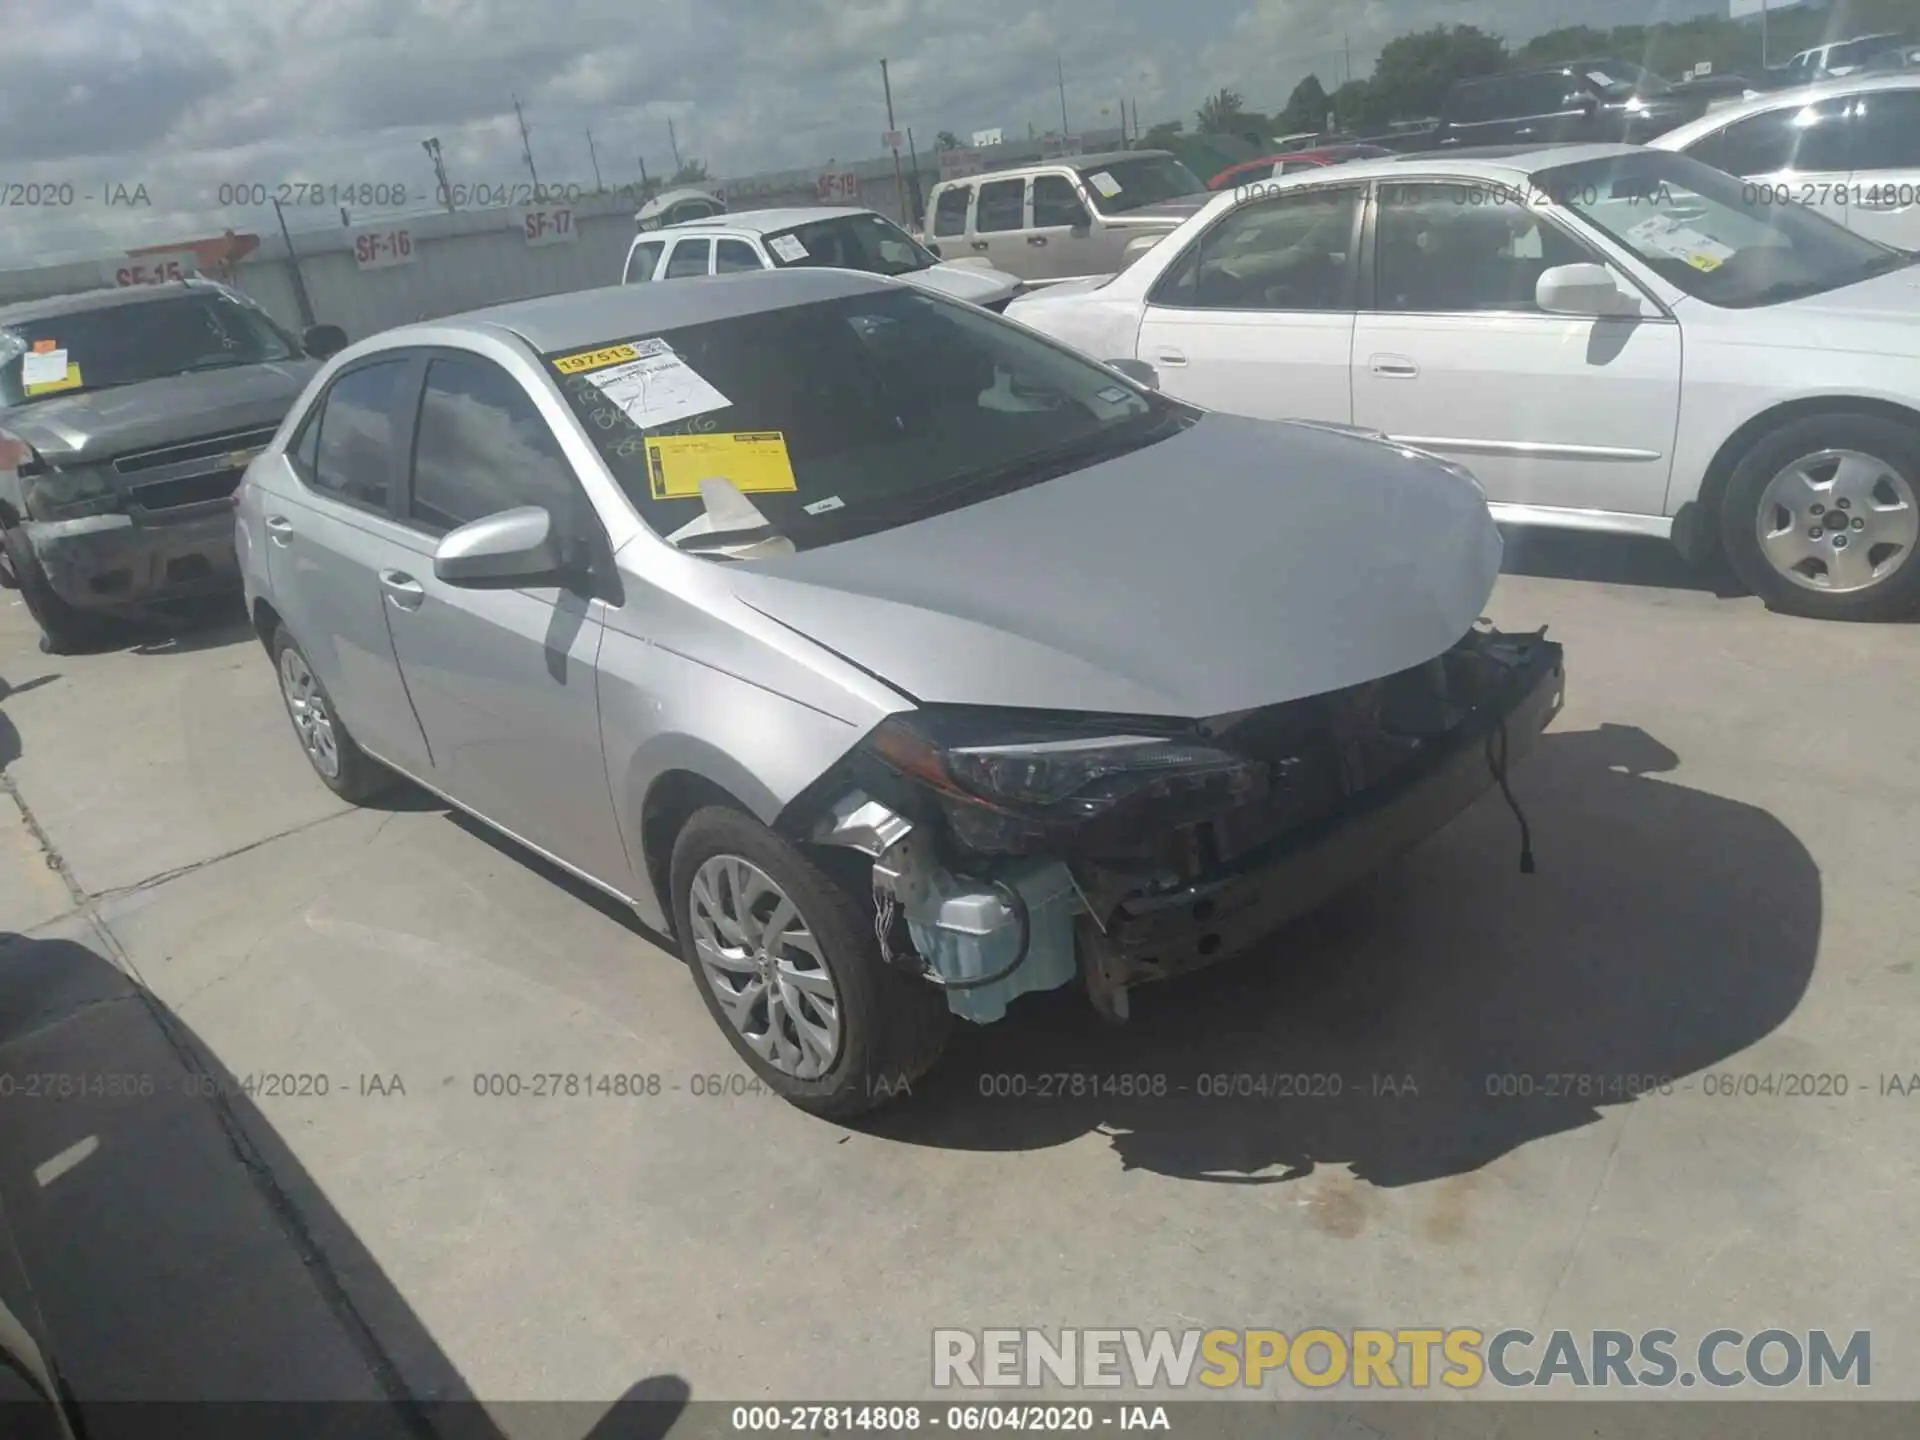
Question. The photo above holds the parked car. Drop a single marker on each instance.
(1079, 215)
(1833, 60)
(132, 414)
(1580, 100)
(671, 207)
(815, 235)
(1850, 148)
(1614, 338)
(895, 660)
(1272, 167)
(1894, 59)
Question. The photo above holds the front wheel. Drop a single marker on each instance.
(64, 630)
(1820, 518)
(788, 966)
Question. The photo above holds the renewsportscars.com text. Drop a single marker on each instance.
(1457, 1358)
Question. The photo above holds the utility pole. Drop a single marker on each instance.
(293, 268)
(673, 139)
(913, 161)
(594, 160)
(1060, 75)
(893, 138)
(1763, 34)
(1346, 60)
(526, 144)
(432, 146)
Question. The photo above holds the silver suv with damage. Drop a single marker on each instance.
(896, 660)
(126, 420)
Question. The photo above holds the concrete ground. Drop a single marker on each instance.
(1723, 819)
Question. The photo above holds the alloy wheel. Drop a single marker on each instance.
(1838, 521)
(311, 719)
(764, 967)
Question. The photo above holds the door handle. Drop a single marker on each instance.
(979, 244)
(1036, 239)
(1169, 357)
(402, 589)
(1396, 367)
(279, 529)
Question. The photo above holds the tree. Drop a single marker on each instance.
(694, 172)
(1575, 42)
(1223, 113)
(1413, 71)
(1307, 107)
(946, 140)
(1161, 135)
(1357, 105)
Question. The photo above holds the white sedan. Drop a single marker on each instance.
(1611, 338)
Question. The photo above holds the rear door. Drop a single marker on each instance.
(1883, 199)
(330, 532)
(503, 680)
(1256, 318)
(1799, 153)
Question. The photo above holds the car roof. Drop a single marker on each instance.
(106, 298)
(593, 317)
(1722, 116)
(763, 222)
(1077, 162)
(1470, 161)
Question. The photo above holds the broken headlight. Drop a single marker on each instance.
(1018, 783)
(50, 494)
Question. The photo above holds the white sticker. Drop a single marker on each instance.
(46, 367)
(1666, 236)
(1104, 183)
(821, 507)
(1602, 79)
(1113, 395)
(658, 388)
(788, 248)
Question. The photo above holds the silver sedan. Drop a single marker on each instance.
(893, 659)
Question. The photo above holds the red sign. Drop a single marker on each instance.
(551, 226)
(843, 185)
(155, 269)
(378, 249)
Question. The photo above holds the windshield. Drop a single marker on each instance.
(847, 416)
(125, 344)
(1712, 235)
(851, 242)
(1121, 185)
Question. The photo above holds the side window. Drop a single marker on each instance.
(732, 256)
(1056, 204)
(950, 211)
(1545, 94)
(641, 261)
(482, 447)
(1437, 252)
(1291, 167)
(353, 458)
(1812, 137)
(1001, 205)
(1293, 252)
(305, 447)
(1886, 130)
(689, 258)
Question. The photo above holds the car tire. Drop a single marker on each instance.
(1787, 488)
(343, 767)
(889, 1026)
(64, 629)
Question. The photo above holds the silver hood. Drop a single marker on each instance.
(1240, 563)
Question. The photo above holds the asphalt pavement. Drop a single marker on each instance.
(319, 1194)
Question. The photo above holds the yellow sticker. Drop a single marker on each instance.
(71, 381)
(595, 359)
(1703, 262)
(755, 461)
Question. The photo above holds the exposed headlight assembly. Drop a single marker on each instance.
(51, 494)
(1016, 783)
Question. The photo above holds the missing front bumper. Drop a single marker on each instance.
(116, 563)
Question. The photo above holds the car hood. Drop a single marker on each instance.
(104, 423)
(1239, 563)
(977, 283)
(1167, 214)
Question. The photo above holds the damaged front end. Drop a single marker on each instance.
(1014, 851)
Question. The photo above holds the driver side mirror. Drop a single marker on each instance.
(1138, 371)
(1588, 290)
(322, 341)
(933, 247)
(503, 551)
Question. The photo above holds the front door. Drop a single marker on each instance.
(1256, 318)
(1061, 240)
(1453, 355)
(999, 233)
(503, 680)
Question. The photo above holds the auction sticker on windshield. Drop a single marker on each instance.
(1667, 236)
(47, 371)
(788, 248)
(755, 461)
(647, 380)
(1104, 183)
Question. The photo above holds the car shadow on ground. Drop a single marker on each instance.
(1610, 560)
(1448, 1012)
(170, 1248)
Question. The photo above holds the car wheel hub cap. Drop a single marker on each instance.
(1838, 521)
(765, 967)
(309, 710)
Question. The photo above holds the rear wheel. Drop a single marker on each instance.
(64, 630)
(343, 767)
(1821, 519)
(788, 966)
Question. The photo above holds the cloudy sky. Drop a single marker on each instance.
(182, 96)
